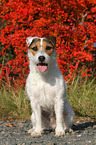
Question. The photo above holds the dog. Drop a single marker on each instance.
(46, 88)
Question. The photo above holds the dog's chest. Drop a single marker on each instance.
(45, 94)
(42, 91)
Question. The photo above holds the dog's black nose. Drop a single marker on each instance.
(41, 58)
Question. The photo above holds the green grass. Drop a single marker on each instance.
(82, 96)
(14, 103)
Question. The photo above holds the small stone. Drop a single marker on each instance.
(72, 133)
(20, 124)
(89, 141)
(77, 122)
(79, 135)
(23, 144)
(14, 132)
(94, 126)
(3, 132)
(70, 130)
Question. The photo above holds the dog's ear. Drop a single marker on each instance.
(29, 40)
(52, 40)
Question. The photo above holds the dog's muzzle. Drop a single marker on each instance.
(42, 66)
(41, 58)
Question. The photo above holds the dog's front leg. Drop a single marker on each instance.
(59, 108)
(37, 119)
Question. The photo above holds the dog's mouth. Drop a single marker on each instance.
(42, 66)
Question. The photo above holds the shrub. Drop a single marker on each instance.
(82, 96)
(14, 104)
(72, 22)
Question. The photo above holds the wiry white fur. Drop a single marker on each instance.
(41, 41)
(29, 40)
(47, 92)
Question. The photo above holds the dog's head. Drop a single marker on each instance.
(42, 50)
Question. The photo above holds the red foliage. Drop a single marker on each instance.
(72, 22)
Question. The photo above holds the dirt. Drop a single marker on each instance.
(83, 132)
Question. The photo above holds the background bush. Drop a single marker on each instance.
(72, 22)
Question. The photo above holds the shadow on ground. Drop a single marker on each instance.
(83, 126)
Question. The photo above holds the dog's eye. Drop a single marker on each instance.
(48, 47)
(34, 48)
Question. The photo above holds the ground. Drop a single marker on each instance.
(83, 132)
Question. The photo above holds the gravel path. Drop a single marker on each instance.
(15, 133)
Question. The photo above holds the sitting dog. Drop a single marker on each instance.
(46, 88)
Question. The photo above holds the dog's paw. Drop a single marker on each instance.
(59, 132)
(31, 130)
(35, 134)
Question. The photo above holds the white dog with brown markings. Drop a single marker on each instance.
(46, 88)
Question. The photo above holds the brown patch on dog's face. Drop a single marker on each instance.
(46, 46)
(35, 46)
